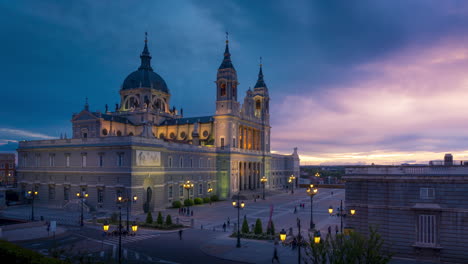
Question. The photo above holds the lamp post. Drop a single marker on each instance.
(312, 191)
(291, 180)
(82, 195)
(317, 237)
(129, 201)
(263, 180)
(187, 186)
(32, 195)
(282, 236)
(317, 174)
(341, 213)
(239, 205)
(120, 201)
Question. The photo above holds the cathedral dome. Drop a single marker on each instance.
(145, 77)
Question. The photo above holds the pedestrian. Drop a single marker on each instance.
(224, 227)
(295, 209)
(293, 244)
(331, 193)
(180, 234)
(229, 221)
(329, 230)
(275, 255)
(179, 210)
(191, 213)
(336, 230)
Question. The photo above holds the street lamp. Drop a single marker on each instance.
(317, 237)
(128, 201)
(239, 205)
(187, 186)
(105, 226)
(312, 191)
(341, 213)
(263, 180)
(317, 174)
(82, 195)
(120, 201)
(134, 227)
(282, 235)
(32, 195)
(291, 180)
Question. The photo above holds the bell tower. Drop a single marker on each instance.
(226, 86)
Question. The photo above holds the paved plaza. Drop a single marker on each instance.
(205, 242)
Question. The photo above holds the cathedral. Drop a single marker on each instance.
(148, 149)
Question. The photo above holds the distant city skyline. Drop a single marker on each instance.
(368, 82)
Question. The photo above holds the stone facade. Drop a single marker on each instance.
(147, 149)
(7, 169)
(420, 211)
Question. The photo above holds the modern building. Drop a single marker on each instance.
(7, 169)
(420, 211)
(149, 149)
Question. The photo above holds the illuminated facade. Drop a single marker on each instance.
(148, 149)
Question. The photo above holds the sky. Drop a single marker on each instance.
(351, 82)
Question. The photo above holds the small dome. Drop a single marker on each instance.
(145, 78)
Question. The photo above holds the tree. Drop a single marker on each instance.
(159, 221)
(168, 220)
(149, 218)
(352, 248)
(245, 226)
(188, 202)
(258, 227)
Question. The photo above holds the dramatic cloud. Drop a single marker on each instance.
(404, 107)
(18, 133)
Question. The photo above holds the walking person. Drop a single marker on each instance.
(180, 234)
(329, 230)
(224, 227)
(336, 230)
(229, 221)
(275, 255)
(295, 209)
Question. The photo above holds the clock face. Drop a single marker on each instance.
(205, 133)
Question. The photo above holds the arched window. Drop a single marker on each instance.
(130, 134)
(119, 133)
(258, 104)
(161, 135)
(223, 89)
(170, 162)
(104, 132)
(181, 162)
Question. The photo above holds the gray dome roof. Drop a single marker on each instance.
(145, 76)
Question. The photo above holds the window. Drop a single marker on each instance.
(222, 143)
(223, 89)
(208, 163)
(426, 193)
(200, 165)
(3, 165)
(101, 160)
(191, 163)
(100, 196)
(181, 190)
(191, 192)
(66, 193)
(52, 160)
(119, 133)
(181, 162)
(427, 229)
(120, 159)
(67, 160)
(83, 159)
(200, 188)
(118, 193)
(38, 160)
(170, 192)
(51, 192)
(10, 165)
(170, 162)
(24, 160)
(233, 142)
(104, 132)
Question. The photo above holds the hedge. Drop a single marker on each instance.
(188, 202)
(198, 200)
(176, 204)
(11, 253)
(207, 200)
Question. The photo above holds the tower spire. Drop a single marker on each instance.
(86, 106)
(227, 63)
(145, 56)
(260, 82)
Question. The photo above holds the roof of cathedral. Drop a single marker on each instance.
(227, 63)
(145, 76)
(119, 119)
(189, 120)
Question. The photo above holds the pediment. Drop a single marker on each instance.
(84, 115)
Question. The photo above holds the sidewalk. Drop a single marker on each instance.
(29, 231)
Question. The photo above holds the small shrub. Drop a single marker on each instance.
(159, 221)
(168, 220)
(271, 228)
(258, 227)
(149, 218)
(206, 200)
(114, 217)
(214, 198)
(176, 204)
(198, 200)
(245, 226)
(188, 202)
